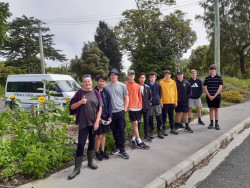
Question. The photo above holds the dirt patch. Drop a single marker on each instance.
(182, 180)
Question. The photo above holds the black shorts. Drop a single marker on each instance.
(214, 103)
(134, 115)
(103, 129)
(182, 108)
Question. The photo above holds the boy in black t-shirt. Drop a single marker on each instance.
(213, 86)
(197, 90)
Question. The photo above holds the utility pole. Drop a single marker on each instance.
(41, 49)
(217, 35)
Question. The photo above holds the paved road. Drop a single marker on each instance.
(144, 166)
(233, 172)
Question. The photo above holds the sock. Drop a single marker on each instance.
(186, 125)
(212, 121)
(189, 119)
(216, 121)
(139, 141)
(133, 138)
(199, 119)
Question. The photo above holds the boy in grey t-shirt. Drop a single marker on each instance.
(119, 102)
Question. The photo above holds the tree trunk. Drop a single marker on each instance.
(242, 65)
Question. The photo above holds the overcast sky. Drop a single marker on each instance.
(74, 22)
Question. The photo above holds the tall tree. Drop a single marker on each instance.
(153, 41)
(234, 27)
(92, 61)
(23, 47)
(108, 43)
(4, 15)
(197, 58)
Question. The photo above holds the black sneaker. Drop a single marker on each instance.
(104, 155)
(124, 155)
(217, 127)
(174, 131)
(98, 156)
(143, 146)
(188, 129)
(210, 126)
(201, 122)
(181, 125)
(133, 144)
(147, 139)
(114, 152)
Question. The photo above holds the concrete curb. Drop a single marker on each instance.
(174, 173)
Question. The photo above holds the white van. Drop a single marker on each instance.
(24, 87)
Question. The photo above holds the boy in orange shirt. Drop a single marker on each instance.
(134, 109)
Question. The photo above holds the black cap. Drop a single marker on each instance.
(113, 70)
(180, 72)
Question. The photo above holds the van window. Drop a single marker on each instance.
(68, 85)
(56, 89)
(26, 87)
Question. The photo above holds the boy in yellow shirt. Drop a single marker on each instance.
(168, 101)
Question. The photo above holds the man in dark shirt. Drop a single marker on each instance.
(184, 93)
(155, 108)
(196, 88)
(146, 102)
(213, 86)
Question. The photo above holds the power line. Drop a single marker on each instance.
(108, 17)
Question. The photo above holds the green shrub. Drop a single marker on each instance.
(244, 83)
(2, 91)
(232, 96)
(203, 98)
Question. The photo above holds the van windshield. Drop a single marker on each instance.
(68, 85)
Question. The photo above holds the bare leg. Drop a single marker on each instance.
(216, 110)
(135, 130)
(178, 117)
(97, 142)
(211, 111)
(185, 115)
(103, 139)
(199, 112)
(189, 112)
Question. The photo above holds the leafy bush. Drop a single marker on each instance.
(2, 94)
(203, 98)
(203, 111)
(32, 143)
(232, 96)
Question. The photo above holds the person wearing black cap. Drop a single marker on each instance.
(184, 93)
(119, 102)
(213, 86)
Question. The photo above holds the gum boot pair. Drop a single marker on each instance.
(78, 164)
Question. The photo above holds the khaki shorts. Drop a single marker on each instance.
(155, 109)
(197, 103)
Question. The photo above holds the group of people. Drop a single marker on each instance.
(102, 109)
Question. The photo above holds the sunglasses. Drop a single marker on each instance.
(86, 76)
